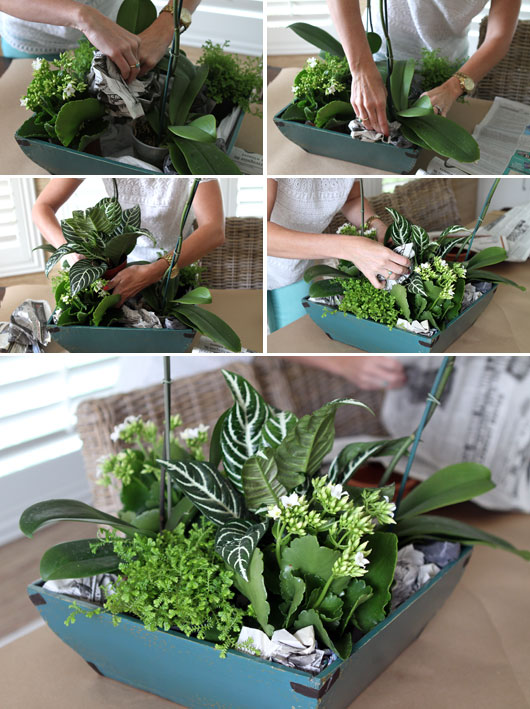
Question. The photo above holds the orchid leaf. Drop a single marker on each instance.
(322, 269)
(74, 560)
(318, 37)
(421, 107)
(487, 257)
(208, 324)
(197, 296)
(400, 81)
(445, 137)
(476, 274)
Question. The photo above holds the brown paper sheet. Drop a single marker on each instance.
(474, 653)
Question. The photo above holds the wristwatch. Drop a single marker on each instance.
(466, 82)
(175, 269)
(185, 15)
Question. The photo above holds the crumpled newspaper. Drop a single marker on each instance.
(106, 83)
(411, 574)
(357, 130)
(406, 250)
(139, 317)
(331, 300)
(417, 327)
(90, 588)
(27, 330)
(206, 345)
(473, 291)
(299, 650)
(440, 553)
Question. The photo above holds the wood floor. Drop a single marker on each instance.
(19, 562)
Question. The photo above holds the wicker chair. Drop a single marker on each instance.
(239, 262)
(511, 77)
(202, 398)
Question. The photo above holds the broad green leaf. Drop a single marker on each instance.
(261, 482)
(412, 136)
(195, 296)
(487, 257)
(400, 81)
(210, 492)
(108, 301)
(120, 246)
(236, 541)
(177, 159)
(136, 15)
(216, 453)
(183, 512)
(31, 129)
(342, 109)
(293, 113)
(191, 132)
(183, 108)
(355, 455)
(292, 589)
(150, 520)
(322, 270)
(436, 527)
(357, 592)
(325, 288)
(181, 83)
(42, 513)
(318, 37)
(74, 560)
(421, 107)
(254, 589)
(400, 294)
(91, 132)
(374, 41)
(445, 137)
(476, 274)
(400, 230)
(304, 554)
(73, 114)
(380, 576)
(449, 486)
(206, 158)
(242, 426)
(85, 272)
(312, 617)
(309, 440)
(330, 609)
(208, 324)
(277, 428)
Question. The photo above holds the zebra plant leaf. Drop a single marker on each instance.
(235, 543)
(452, 230)
(309, 440)
(99, 219)
(444, 248)
(261, 483)
(56, 256)
(83, 273)
(277, 427)
(415, 284)
(400, 229)
(355, 455)
(210, 492)
(420, 239)
(132, 218)
(113, 211)
(242, 427)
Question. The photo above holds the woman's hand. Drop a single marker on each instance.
(373, 373)
(154, 42)
(368, 97)
(121, 46)
(74, 258)
(443, 96)
(373, 259)
(132, 280)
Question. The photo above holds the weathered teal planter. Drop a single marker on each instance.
(58, 160)
(342, 147)
(190, 672)
(81, 338)
(375, 337)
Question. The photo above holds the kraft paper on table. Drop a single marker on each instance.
(502, 327)
(473, 653)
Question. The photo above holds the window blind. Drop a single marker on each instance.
(18, 235)
(249, 197)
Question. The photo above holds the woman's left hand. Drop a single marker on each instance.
(132, 280)
(443, 96)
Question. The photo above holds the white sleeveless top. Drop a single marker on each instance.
(306, 204)
(162, 201)
(40, 38)
(433, 24)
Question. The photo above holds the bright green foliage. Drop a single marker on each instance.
(176, 580)
(321, 82)
(436, 69)
(231, 78)
(91, 306)
(369, 303)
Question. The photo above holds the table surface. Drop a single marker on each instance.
(473, 653)
(241, 309)
(286, 158)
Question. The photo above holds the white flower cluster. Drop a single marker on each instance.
(115, 435)
(190, 434)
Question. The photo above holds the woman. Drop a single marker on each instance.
(414, 24)
(299, 209)
(162, 202)
(25, 35)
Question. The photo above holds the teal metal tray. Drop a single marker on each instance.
(80, 338)
(191, 673)
(58, 160)
(340, 146)
(374, 337)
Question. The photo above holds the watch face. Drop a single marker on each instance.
(469, 84)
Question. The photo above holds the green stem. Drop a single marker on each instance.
(362, 205)
(324, 592)
(481, 217)
(173, 55)
(163, 513)
(279, 545)
(389, 56)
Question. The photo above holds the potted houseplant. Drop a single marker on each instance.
(183, 118)
(430, 308)
(87, 318)
(319, 117)
(284, 546)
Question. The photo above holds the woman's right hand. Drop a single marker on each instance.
(368, 97)
(121, 46)
(373, 259)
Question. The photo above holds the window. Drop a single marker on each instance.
(18, 235)
(389, 184)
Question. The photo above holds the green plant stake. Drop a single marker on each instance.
(361, 185)
(482, 215)
(165, 480)
(174, 52)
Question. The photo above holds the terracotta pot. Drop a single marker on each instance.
(111, 272)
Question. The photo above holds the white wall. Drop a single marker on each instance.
(511, 192)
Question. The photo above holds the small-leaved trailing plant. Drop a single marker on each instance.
(434, 290)
(275, 524)
(64, 112)
(436, 69)
(321, 93)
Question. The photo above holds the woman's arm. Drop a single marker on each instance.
(111, 39)
(368, 92)
(502, 21)
(371, 257)
(368, 373)
(53, 196)
(210, 233)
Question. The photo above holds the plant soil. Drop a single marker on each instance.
(144, 133)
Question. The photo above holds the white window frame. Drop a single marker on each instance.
(16, 254)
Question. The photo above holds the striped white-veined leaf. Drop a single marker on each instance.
(309, 440)
(242, 427)
(415, 284)
(99, 219)
(261, 484)
(235, 543)
(76, 228)
(400, 229)
(132, 218)
(277, 427)
(57, 255)
(83, 273)
(420, 239)
(453, 230)
(446, 246)
(355, 455)
(113, 211)
(211, 493)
